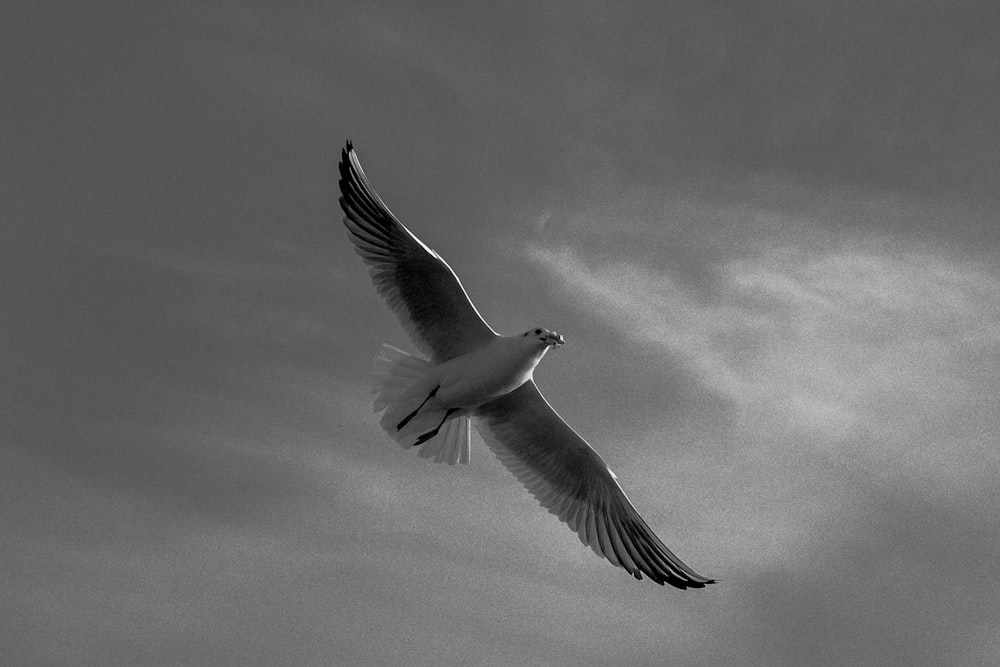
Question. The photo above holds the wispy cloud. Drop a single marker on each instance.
(845, 344)
(862, 430)
(908, 310)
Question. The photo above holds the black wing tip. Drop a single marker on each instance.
(697, 584)
(345, 154)
(663, 578)
(682, 584)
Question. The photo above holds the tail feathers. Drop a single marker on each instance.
(393, 372)
(399, 387)
(452, 443)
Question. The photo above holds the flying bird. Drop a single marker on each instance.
(474, 373)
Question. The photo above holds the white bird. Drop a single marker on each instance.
(475, 373)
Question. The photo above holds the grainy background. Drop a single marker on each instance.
(767, 230)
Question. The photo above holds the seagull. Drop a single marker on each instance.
(473, 373)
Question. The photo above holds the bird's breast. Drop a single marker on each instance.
(486, 374)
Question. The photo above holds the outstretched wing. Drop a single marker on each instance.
(418, 285)
(571, 480)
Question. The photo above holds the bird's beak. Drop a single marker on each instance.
(555, 339)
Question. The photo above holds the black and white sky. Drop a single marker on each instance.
(769, 232)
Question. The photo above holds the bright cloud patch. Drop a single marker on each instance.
(890, 352)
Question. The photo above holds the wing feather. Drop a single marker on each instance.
(571, 480)
(416, 283)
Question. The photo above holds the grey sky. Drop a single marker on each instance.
(767, 231)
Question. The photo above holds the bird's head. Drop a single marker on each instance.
(546, 337)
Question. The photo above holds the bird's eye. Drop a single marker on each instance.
(538, 331)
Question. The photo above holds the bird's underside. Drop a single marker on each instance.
(472, 373)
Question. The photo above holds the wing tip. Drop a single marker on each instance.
(675, 581)
(682, 584)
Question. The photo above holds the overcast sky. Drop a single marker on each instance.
(767, 230)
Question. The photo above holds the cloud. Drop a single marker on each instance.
(838, 364)
(838, 342)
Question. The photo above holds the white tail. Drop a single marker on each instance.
(399, 389)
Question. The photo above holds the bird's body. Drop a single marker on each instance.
(489, 371)
(475, 373)
(453, 389)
